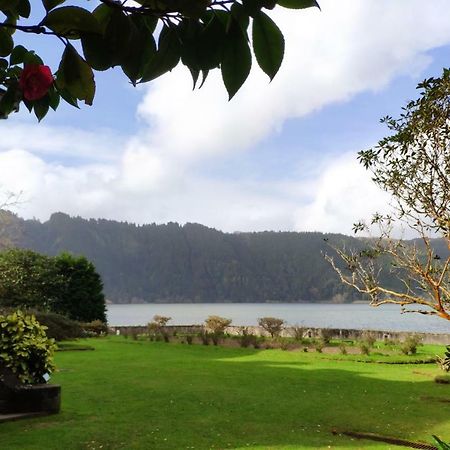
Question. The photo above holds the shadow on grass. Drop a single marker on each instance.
(159, 396)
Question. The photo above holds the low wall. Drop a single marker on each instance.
(336, 333)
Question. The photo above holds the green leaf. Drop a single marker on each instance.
(211, 44)
(53, 98)
(76, 76)
(167, 56)
(9, 5)
(240, 16)
(8, 101)
(18, 55)
(141, 50)
(268, 44)
(24, 8)
(237, 60)
(41, 107)
(96, 51)
(117, 35)
(298, 4)
(71, 20)
(6, 43)
(31, 58)
(68, 97)
(50, 4)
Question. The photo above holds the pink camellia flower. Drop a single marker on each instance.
(35, 81)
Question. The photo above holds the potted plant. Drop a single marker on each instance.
(26, 361)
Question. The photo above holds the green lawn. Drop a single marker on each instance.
(140, 395)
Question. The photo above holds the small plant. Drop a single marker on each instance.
(204, 336)
(216, 326)
(365, 349)
(305, 349)
(319, 345)
(298, 332)
(410, 344)
(25, 349)
(342, 348)
(272, 325)
(369, 338)
(95, 328)
(284, 344)
(325, 335)
(245, 337)
(444, 361)
(189, 339)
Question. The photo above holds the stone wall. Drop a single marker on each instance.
(336, 333)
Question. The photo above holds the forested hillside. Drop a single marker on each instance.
(194, 263)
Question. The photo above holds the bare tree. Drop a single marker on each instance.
(413, 165)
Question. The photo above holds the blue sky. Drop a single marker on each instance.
(279, 156)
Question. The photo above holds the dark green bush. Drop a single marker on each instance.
(442, 379)
(59, 327)
(410, 344)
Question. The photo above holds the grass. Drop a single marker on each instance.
(152, 395)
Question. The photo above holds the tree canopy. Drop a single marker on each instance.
(64, 284)
(412, 164)
(146, 39)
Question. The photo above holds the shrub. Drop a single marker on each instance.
(343, 349)
(325, 335)
(25, 349)
(95, 328)
(410, 344)
(319, 345)
(272, 325)
(216, 325)
(369, 338)
(443, 379)
(365, 349)
(189, 339)
(245, 337)
(161, 321)
(298, 332)
(204, 336)
(59, 327)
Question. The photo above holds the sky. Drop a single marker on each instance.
(279, 156)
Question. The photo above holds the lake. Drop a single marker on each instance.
(356, 316)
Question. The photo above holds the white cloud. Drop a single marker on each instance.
(159, 174)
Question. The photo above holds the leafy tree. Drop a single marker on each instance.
(412, 164)
(80, 294)
(146, 41)
(27, 279)
(217, 324)
(161, 321)
(64, 284)
(272, 325)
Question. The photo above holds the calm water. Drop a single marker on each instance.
(357, 316)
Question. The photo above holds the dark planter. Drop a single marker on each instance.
(29, 398)
(36, 398)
